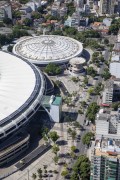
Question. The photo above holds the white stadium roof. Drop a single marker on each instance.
(21, 86)
(44, 49)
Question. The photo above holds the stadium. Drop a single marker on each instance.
(21, 91)
(45, 49)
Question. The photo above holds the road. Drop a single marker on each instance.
(82, 148)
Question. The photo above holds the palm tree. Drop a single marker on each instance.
(34, 176)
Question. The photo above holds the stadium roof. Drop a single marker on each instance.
(48, 48)
(18, 85)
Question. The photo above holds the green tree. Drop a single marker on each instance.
(81, 168)
(91, 90)
(34, 176)
(36, 15)
(73, 148)
(69, 130)
(83, 103)
(53, 136)
(73, 135)
(17, 33)
(56, 159)
(106, 74)
(55, 149)
(71, 8)
(106, 41)
(16, 14)
(115, 105)
(10, 48)
(39, 171)
(27, 22)
(53, 69)
(64, 172)
(7, 21)
(23, 1)
(91, 111)
(87, 138)
(91, 71)
(85, 80)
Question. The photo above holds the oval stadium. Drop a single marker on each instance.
(21, 90)
(45, 49)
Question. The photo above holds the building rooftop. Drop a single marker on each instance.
(20, 83)
(3, 3)
(109, 84)
(115, 69)
(48, 100)
(107, 147)
(57, 101)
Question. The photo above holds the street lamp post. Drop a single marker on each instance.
(28, 173)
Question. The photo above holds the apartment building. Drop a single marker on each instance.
(107, 7)
(105, 162)
(108, 124)
(5, 10)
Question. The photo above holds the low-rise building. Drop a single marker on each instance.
(5, 10)
(107, 21)
(73, 21)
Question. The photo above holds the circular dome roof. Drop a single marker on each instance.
(77, 60)
(48, 48)
(20, 85)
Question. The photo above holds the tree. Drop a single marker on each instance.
(106, 74)
(23, 1)
(73, 148)
(7, 21)
(55, 149)
(106, 41)
(9, 48)
(73, 135)
(17, 33)
(69, 131)
(41, 9)
(81, 168)
(27, 22)
(91, 111)
(76, 124)
(39, 171)
(98, 88)
(2, 39)
(91, 90)
(85, 80)
(64, 172)
(83, 103)
(34, 176)
(87, 138)
(16, 14)
(53, 69)
(115, 106)
(91, 71)
(56, 159)
(53, 136)
(36, 15)
(71, 8)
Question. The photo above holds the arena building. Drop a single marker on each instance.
(45, 49)
(21, 90)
